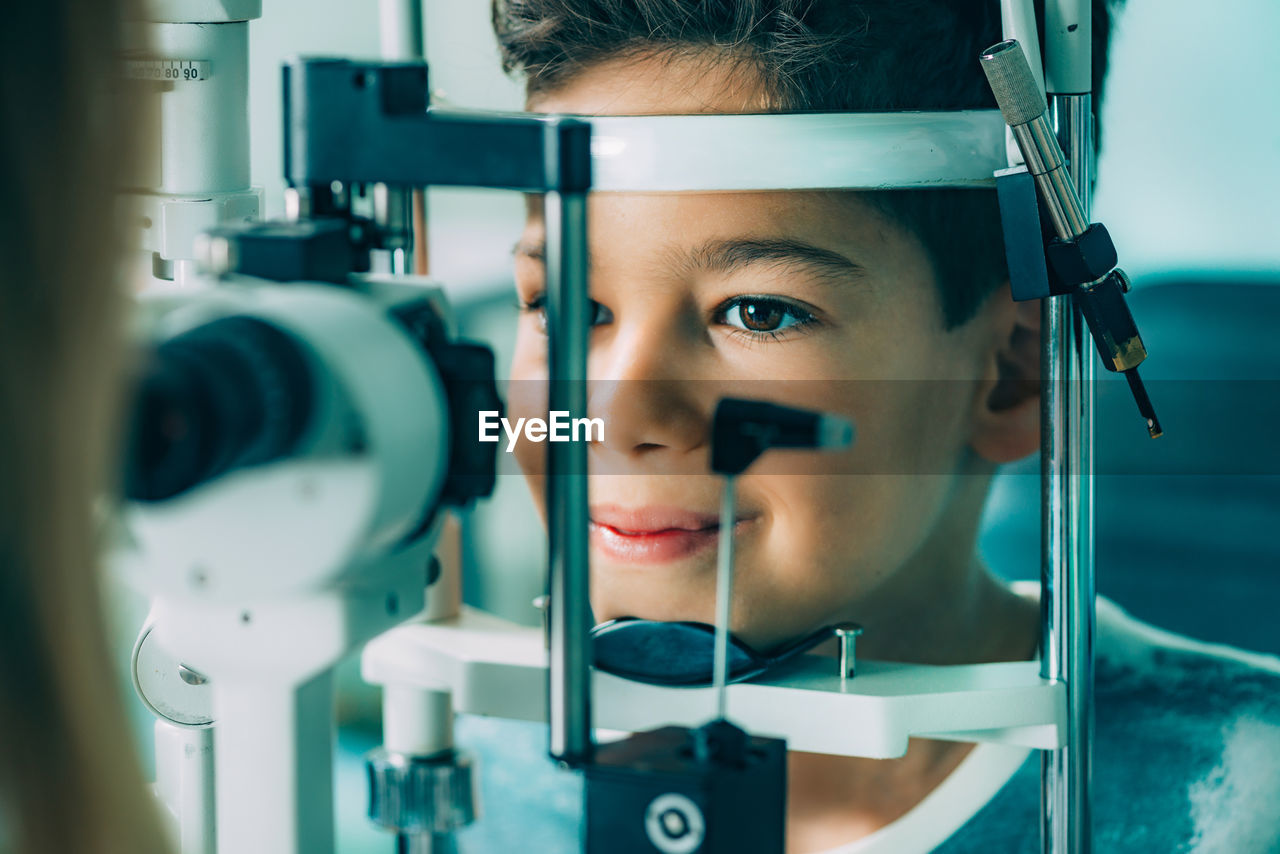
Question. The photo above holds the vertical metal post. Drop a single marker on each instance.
(400, 30)
(724, 595)
(1067, 572)
(1067, 422)
(568, 324)
(426, 843)
(401, 39)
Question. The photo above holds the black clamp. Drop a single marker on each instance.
(1075, 263)
(1043, 265)
(468, 374)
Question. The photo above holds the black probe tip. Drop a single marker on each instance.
(1144, 403)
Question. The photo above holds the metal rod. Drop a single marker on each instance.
(1055, 181)
(1067, 572)
(426, 843)
(724, 594)
(565, 215)
(400, 31)
(393, 214)
(421, 236)
(401, 38)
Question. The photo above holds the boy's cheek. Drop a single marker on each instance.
(529, 359)
(832, 541)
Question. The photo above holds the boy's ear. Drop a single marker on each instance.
(1007, 414)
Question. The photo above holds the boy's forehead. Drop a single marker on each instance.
(827, 216)
(843, 222)
(657, 84)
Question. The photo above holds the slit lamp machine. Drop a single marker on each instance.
(302, 365)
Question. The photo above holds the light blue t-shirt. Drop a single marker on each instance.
(1186, 754)
(1186, 759)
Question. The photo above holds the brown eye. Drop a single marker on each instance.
(763, 316)
(599, 312)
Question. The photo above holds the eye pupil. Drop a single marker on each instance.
(761, 316)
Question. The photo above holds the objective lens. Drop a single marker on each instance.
(230, 394)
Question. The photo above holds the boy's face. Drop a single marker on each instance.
(799, 298)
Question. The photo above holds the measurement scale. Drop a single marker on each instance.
(167, 69)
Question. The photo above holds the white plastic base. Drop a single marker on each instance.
(493, 667)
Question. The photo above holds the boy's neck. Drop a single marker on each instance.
(943, 605)
(969, 619)
(833, 800)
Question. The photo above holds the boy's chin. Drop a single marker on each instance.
(760, 636)
(605, 607)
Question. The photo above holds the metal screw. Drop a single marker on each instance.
(191, 677)
(848, 635)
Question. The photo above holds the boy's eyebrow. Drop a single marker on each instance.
(535, 249)
(733, 254)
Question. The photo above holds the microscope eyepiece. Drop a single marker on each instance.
(232, 393)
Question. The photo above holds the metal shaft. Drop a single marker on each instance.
(724, 594)
(426, 843)
(1067, 571)
(1057, 183)
(393, 214)
(400, 31)
(400, 39)
(569, 325)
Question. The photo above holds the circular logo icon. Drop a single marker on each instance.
(674, 824)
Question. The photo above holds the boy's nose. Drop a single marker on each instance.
(643, 387)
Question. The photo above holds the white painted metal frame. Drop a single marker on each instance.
(796, 151)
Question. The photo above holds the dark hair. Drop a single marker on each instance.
(832, 55)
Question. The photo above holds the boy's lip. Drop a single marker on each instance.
(651, 519)
(653, 534)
